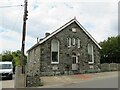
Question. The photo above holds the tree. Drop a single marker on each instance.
(7, 56)
(14, 57)
(0, 57)
(110, 52)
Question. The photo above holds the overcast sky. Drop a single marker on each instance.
(99, 18)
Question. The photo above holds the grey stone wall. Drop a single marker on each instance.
(65, 52)
(33, 68)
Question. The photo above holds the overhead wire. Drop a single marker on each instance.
(18, 15)
(11, 6)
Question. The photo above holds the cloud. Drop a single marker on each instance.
(99, 19)
(11, 40)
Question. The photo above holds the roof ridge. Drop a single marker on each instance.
(63, 25)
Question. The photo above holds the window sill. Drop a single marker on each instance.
(91, 62)
(69, 46)
(54, 62)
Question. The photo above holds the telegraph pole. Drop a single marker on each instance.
(22, 57)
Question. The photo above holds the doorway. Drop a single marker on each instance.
(74, 62)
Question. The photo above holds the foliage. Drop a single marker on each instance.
(0, 57)
(7, 56)
(14, 57)
(110, 52)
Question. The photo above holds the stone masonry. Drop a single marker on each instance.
(33, 68)
(65, 57)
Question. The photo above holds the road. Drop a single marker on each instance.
(109, 82)
(7, 83)
(101, 83)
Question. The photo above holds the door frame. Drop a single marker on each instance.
(74, 62)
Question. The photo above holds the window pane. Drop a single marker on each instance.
(54, 50)
(54, 45)
(74, 60)
(90, 49)
(5, 66)
(54, 56)
(90, 58)
(90, 53)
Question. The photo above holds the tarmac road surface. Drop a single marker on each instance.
(7, 83)
(110, 82)
(95, 80)
(100, 80)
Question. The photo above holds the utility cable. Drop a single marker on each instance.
(11, 6)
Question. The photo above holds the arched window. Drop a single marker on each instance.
(73, 41)
(69, 41)
(90, 54)
(54, 51)
(78, 42)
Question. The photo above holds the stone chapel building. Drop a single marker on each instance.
(68, 50)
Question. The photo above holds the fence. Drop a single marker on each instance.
(110, 67)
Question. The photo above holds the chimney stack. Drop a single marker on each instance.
(47, 34)
(37, 40)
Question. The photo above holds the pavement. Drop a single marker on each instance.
(68, 79)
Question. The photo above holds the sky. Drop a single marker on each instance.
(98, 17)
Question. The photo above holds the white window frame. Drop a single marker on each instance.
(92, 54)
(69, 42)
(73, 41)
(79, 42)
(76, 59)
(58, 53)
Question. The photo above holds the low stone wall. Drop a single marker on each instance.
(110, 67)
(113, 66)
(57, 73)
(52, 73)
(33, 81)
(32, 74)
(105, 67)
